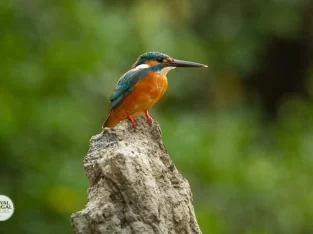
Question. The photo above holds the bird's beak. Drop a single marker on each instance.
(182, 63)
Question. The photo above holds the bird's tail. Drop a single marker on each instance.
(110, 121)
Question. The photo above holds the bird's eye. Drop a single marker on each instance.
(159, 59)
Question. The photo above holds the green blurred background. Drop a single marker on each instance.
(240, 131)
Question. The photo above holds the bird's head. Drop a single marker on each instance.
(162, 62)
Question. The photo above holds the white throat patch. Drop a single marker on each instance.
(165, 70)
(141, 66)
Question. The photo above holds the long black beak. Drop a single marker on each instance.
(182, 63)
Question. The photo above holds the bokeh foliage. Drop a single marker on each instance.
(249, 162)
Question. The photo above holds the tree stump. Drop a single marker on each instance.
(134, 185)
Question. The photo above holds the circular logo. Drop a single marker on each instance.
(6, 208)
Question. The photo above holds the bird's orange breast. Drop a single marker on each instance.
(151, 88)
(145, 94)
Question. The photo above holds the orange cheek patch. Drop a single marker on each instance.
(151, 62)
(169, 60)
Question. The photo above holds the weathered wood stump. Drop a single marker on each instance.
(134, 185)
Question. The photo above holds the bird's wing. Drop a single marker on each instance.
(125, 85)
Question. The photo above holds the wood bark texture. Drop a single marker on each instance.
(135, 187)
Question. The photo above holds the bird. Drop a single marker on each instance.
(141, 87)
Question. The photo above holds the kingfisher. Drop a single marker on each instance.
(142, 86)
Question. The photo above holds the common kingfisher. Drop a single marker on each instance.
(142, 86)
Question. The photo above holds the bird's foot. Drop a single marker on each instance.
(149, 119)
(132, 120)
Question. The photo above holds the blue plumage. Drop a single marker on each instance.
(128, 81)
(150, 71)
(125, 85)
(150, 56)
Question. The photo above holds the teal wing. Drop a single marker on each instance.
(125, 85)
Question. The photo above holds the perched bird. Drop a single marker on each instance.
(142, 86)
